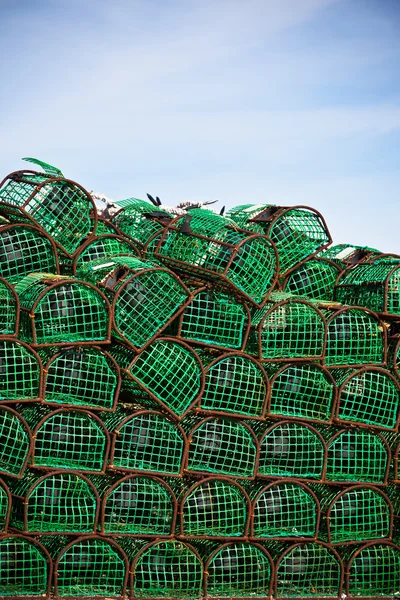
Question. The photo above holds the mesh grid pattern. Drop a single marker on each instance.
(20, 372)
(291, 450)
(222, 446)
(136, 222)
(4, 506)
(239, 570)
(302, 391)
(314, 278)
(242, 214)
(346, 254)
(14, 443)
(375, 571)
(9, 310)
(168, 569)
(235, 384)
(285, 509)
(215, 508)
(24, 570)
(101, 247)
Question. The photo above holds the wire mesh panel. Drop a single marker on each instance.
(303, 391)
(15, 443)
(87, 377)
(314, 278)
(290, 449)
(101, 246)
(239, 570)
(287, 328)
(368, 396)
(139, 505)
(212, 248)
(9, 309)
(141, 221)
(345, 255)
(146, 441)
(20, 372)
(395, 356)
(355, 337)
(59, 310)
(222, 446)
(356, 514)
(215, 507)
(285, 509)
(59, 206)
(215, 319)
(60, 502)
(235, 384)
(25, 568)
(171, 372)
(25, 249)
(167, 569)
(5, 506)
(357, 455)
(307, 570)
(93, 567)
(374, 570)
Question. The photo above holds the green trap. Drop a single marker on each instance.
(5, 506)
(9, 309)
(374, 571)
(101, 246)
(15, 443)
(25, 568)
(314, 278)
(21, 372)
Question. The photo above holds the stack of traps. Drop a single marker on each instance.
(193, 405)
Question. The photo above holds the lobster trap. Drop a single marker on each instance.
(314, 278)
(101, 246)
(235, 385)
(284, 509)
(59, 206)
(5, 506)
(15, 443)
(211, 247)
(216, 319)
(213, 508)
(141, 222)
(9, 309)
(298, 232)
(84, 377)
(287, 327)
(221, 446)
(373, 570)
(238, 570)
(25, 249)
(59, 502)
(20, 372)
(25, 568)
(291, 449)
(303, 391)
(346, 255)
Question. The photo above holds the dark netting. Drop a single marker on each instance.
(25, 249)
(345, 255)
(61, 310)
(9, 309)
(20, 372)
(239, 570)
(290, 449)
(5, 506)
(214, 507)
(302, 391)
(100, 247)
(140, 221)
(60, 502)
(25, 568)
(374, 571)
(221, 446)
(235, 384)
(315, 278)
(284, 509)
(215, 319)
(287, 327)
(15, 443)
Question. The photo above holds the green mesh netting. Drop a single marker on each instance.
(69, 311)
(167, 569)
(84, 377)
(91, 567)
(285, 509)
(239, 570)
(235, 384)
(354, 337)
(357, 455)
(9, 309)
(290, 449)
(374, 571)
(222, 446)
(140, 221)
(345, 255)
(308, 570)
(15, 443)
(62, 208)
(24, 568)
(138, 505)
(215, 508)
(60, 502)
(5, 505)
(314, 278)
(170, 372)
(375, 286)
(286, 328)
(369, 395)
(215, 319)
(243, 213)
(303, 391)
(23, 250)
(20, 372)
(100, 247)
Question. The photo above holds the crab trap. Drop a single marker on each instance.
(9, 309)
(21, 372)
(373, 571)
(314, 278)
(101, 247)
(15, 443)
(25, 568)
(346, 255)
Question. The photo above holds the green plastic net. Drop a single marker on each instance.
(101, 247)
(314, 278)
(15, 443)
(5, 506)
(140, 221)
(20, 372)
(24, 568)
(374, 571)
(345, 255)
(9, 309)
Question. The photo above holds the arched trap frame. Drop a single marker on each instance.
(5, 506)
(314, 278)
(373, 570)
(101, 246)
(346, 255)
(21, 372)
(9, 309)
(15, 443)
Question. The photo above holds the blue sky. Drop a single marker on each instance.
(279, 101)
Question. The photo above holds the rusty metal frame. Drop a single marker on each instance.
(17, 306)
(30, 448)
(94, 238)
(31, 350)
(4, 486)
(349, 564)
